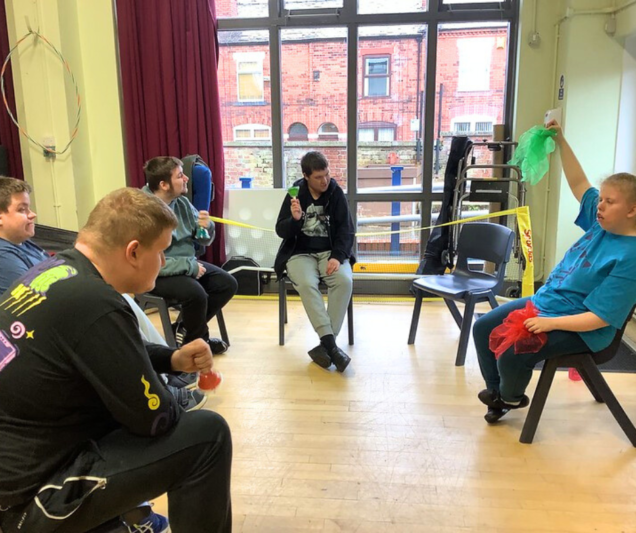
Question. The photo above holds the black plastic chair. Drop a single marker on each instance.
(150, 301)
(285, 284)
(586, 365)
(481, 241)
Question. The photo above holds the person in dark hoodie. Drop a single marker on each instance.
(318, 233)
(17, 227)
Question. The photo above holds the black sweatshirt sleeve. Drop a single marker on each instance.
(112, 358)
(344, 231)
(286, 226)
(160, 357)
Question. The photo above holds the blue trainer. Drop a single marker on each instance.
(155, 523)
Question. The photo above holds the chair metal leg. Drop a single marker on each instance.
(452, 307)
(416, 316)
(282, 315)
(285, 302)
(350, 320)
(588, 382)
(606, 394)
(166, 323)
(222, 328)
(538, 401)
(464, 335)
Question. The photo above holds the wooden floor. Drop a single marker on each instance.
(398, 443)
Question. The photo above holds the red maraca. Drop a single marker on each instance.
(209, 381)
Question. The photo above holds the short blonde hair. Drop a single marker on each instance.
(126, 215)
(625, 181)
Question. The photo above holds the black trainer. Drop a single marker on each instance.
(340, 359)
(217, 346)
(319, 356)
(494, 415)
(492, 399)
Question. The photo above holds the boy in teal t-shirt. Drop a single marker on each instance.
(585, 300)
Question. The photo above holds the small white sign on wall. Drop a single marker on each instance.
(561, 87)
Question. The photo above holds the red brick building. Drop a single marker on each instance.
(470, 85)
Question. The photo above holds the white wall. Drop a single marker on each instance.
(576, 46)
(626, 138)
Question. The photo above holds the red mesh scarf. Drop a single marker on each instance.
(513, 332)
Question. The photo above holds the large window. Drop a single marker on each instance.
(350, 78)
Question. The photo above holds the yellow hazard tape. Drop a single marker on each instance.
(523, 223)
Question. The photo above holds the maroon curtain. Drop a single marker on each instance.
(9, 134)
(169, 57)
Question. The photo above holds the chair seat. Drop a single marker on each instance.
(148, 300)
(454, 286)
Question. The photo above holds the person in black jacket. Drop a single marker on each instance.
(99, 432)
(318, 233)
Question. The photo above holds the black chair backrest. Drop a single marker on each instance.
(484, 241)
(54, 240)
(608, 353)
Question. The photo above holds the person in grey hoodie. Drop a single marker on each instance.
(17, 225)
(202, 289)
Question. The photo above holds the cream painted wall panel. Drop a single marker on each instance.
(89, 42)
(65, 190)
(101, 85)
(42, 111)
(626, 139)
(593, 71)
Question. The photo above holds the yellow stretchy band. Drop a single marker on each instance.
(523, 223)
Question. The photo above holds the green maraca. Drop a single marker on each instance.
(293, 191)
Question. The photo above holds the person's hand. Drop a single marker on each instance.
(332, 266)
(555, 126)
(204, 219)
(539, 324)
(201, 270)
(296, 210)
(192, 357)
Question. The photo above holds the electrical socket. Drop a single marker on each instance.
(534, 40)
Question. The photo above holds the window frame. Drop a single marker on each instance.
(504, 5)
(296, 137)
(250, 57)
(252, 128)
(376, 126)
(366, 77)
(328, 136)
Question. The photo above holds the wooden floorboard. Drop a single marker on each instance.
(398, 443)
